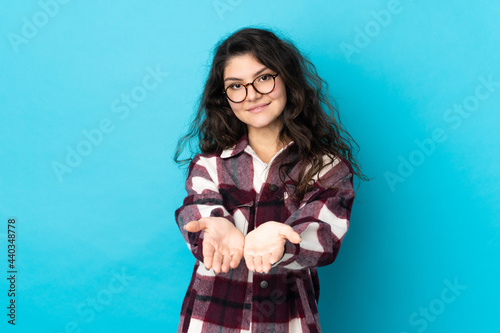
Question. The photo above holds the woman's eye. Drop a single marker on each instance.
(265, 77)
(235, 86)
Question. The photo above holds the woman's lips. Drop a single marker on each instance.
(258, 108)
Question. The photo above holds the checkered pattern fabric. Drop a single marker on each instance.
(238, 185)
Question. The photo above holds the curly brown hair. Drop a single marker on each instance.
(310, 117)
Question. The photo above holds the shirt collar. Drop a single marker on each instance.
(236, 149)
(240, 146)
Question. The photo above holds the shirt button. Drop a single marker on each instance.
(274, 187)
(264, 284)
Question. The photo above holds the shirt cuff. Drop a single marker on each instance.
(289, 255)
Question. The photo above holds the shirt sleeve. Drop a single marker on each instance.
(322, 219)
(203, 200)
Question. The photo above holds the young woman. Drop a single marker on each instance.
(269, 193)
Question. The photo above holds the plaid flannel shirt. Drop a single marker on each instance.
(238, 185)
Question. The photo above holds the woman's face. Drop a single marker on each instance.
(258, 111)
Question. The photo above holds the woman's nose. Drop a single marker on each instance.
(252, 94)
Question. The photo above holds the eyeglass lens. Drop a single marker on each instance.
(263, 84)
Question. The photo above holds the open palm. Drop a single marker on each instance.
(265, 245)
(222, 242)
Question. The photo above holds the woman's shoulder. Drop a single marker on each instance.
(227, 152)
(334, 169)
(205, 158)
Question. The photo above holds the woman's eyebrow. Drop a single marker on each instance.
(236, 79)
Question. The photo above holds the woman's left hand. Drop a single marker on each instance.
(265, 245)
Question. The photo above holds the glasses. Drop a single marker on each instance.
(263, 84)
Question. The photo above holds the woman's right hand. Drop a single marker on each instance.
(222, 242)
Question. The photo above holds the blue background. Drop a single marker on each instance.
(428, 219)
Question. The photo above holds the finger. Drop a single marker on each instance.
(290, 234)
(235, 259)
(217, 263)
(258, 263)
(208, 254)
(249, 262)
(226, 260)
(195, 226)
(266, 264)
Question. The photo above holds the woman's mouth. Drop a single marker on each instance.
(258, 108)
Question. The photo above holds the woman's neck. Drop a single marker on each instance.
(265, 143)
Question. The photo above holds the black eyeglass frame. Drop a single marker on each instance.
(252, 83)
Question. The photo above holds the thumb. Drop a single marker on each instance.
(195, 226)
(290, 234)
